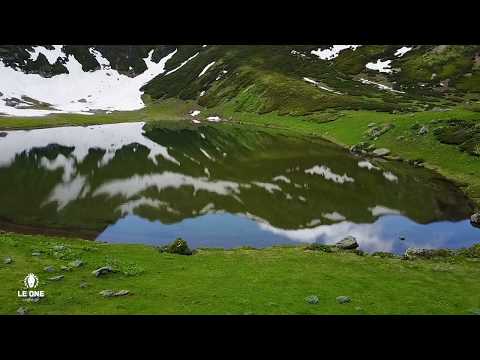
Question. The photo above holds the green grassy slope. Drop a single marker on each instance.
(241, 281)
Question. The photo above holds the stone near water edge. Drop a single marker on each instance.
(102, 271)
(76, 263)
(312, 300)
(22, 311)
(56, 278)
(8, 260)
(348, 243)
(107, 293)
(381, 152)
(179, 246)
(475, 220)
(414, 253)
(3, 134)
(343, 299)
(49, 269)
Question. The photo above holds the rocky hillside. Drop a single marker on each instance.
(288, 79)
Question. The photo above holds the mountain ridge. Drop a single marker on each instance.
(288, 79)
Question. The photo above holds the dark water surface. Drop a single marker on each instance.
(221, 186)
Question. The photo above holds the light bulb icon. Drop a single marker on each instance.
(31, 281)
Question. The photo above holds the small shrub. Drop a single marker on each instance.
(126, 268)
(471, 252)
(383, 254)
(179, 246)
(319, 247)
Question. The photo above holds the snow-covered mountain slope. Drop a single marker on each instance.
(296, 79)
(77, 90)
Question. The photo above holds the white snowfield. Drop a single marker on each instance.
(78, 91)
(332, 52)
(380, 66)
(205, 69)
(317, 84)
(402, 51)
(381, 86)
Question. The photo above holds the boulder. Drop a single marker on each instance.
(112, 293)
(414, 253)
(59, 247)
(56, 278)
(22, 311)
(475, 219)
(75, 264)
(49, 269)
(343, 299)
(107, 293)
(348, 243)
(36, 253)
(179, 246)
(312, 300)
(423, 131)
(3, 134)
(122, 293)
(7, 260)
(381, 152)
(102, 271)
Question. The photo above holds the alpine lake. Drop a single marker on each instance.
(221, 186)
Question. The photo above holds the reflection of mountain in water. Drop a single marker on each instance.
(90, 177)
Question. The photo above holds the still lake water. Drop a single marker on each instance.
(221, 186)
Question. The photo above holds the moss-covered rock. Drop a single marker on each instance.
(179, 246)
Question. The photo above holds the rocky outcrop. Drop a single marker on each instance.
(475, 219)
(415, 253)
(348, 243)
(381, 152)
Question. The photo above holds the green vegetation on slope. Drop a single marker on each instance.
(241, 281)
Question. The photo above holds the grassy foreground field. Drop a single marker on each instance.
(241, 281)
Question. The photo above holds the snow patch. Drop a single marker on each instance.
(402, 51)
(380, 66)
(205, 69)
(51, 55)
(317, 84)
(380, 86)
(332, 52)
